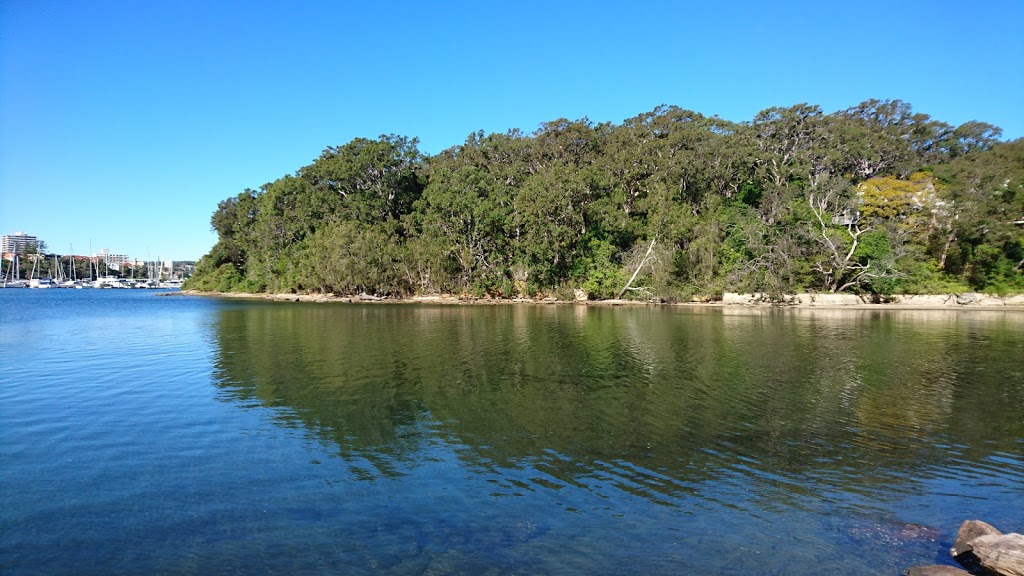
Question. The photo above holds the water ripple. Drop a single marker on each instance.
(192, 436)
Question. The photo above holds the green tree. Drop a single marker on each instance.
(466, 211)
(669, 204)
(369, 180)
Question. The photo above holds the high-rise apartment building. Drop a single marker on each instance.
(17, 243)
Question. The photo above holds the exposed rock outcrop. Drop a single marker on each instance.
(970, 530)
(980, 545)
(981, 549)
(1002, 554)
(965, 300)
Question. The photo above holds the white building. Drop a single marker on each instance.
(112, 260)
(17, 243)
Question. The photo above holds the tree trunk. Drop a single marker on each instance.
(945, 250)
(637, 271)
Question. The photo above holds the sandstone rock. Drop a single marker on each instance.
(734, 298)
(966, 298)
(1000, 553)
(970, 530)
(829, 299)
(925, 300)
(937, 571)
(984, 300)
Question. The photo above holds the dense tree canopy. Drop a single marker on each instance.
(876, 199)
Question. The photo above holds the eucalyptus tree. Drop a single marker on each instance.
(985, 198)
(368, 180)
(365, 189)
(464, 219)
(351, 257)
(882, 137)
(670, 203)
(553, 212)
(233, 221)
(288, 210)
(855, 251)
(665, 168)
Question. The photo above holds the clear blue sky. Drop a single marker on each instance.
(123, 123)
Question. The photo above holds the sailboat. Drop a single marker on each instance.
(34, 282)
(10, 278)
(70, 280)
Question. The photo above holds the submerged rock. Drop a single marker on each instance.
(937, 570)
(893, 533)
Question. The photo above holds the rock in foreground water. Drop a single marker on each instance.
(1002, 554)
(970, 530)
(979, 544)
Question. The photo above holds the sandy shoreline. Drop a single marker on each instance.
(731, 301)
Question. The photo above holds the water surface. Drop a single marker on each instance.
(187, 435)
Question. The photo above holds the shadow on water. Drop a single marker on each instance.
(865, 425)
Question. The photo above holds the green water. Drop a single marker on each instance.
(797, 390)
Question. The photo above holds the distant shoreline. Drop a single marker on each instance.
(975, 302)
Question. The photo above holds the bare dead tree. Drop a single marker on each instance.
(643, 262)
(833, 214)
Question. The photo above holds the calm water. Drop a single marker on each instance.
(184, 435)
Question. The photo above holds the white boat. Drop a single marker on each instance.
(35, 282)
(111, 282)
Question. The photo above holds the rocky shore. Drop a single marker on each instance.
(968, 301)
(915, 301)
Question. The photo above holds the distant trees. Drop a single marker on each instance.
(874, 199)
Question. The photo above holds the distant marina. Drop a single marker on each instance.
(105, 282)
(28, 264)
